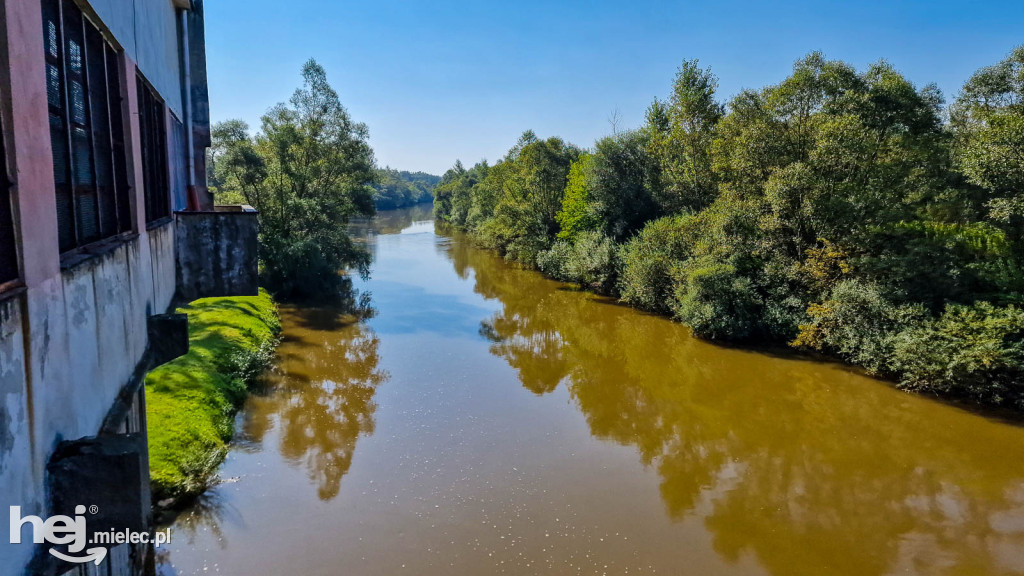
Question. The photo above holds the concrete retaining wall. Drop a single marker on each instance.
(217, 253)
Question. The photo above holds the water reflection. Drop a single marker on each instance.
(322, 394)
(206, 515)
(803, 465)
(392, 221)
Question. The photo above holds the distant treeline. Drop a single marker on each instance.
(843, 211)
(395, 189)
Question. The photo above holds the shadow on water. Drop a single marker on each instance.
(207, 514)
(797, 462)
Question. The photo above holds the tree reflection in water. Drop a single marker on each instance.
(321, 397)
(207, 513)
(807, 466)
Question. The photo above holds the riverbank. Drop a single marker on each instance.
(969, 354)
(891, 241)
(478, 422)
(191, 401)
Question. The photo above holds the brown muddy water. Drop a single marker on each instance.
(489, 421)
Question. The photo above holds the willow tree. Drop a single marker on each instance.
(308, 171)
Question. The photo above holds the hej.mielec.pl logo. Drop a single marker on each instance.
(71, 532)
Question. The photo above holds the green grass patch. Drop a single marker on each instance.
(191, 401)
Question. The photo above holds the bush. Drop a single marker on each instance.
(975, 351)
(716, 302)
(647, 263)
(858, 324)
(552, 262)
(578, 212)
(309, 269)
(516, 235)
(591, 262)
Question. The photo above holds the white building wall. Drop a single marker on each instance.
(61, 371)
(87, 335)
(148, 32)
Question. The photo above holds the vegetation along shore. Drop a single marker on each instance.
(842, 211)
(192, 400)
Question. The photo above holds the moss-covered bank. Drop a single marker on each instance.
(191, 401)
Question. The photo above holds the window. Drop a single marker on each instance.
(86, 128)
(179, 171)
(156, 181)
(8, 251)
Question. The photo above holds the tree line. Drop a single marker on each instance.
(399, 189)
(840, 211)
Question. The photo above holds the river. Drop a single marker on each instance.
(489, 421)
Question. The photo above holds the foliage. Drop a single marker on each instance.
(625, 183)
(682, 130)
(461, 199)
(394, 189)
(191, 401)
(988, 118)
(590, 261)
(835, 211)
(716, 301)
(577, 214)
(513, 206)
(307, 171)
(857, 323)
(975, 351)
(529, 185)
(649, 260)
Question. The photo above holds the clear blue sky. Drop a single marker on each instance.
(443, 79)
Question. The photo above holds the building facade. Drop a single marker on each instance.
(104, 119)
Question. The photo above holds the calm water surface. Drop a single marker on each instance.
(489, 421)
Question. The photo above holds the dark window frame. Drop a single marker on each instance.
(156, 176)
(10, 269)
(85, 101)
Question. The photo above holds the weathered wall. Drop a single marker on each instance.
(18, 476)
(148, 32)
(61, 372)
(72, 338)
(217, 253)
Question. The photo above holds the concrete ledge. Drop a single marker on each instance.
(217, 252)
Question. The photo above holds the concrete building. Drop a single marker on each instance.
(105, 222)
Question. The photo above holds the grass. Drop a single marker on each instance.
(191, 401)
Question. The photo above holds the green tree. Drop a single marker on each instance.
(625, 183)
(577, 214)
(988, 118)
(528, 184)
(308, 172)
(834, 210)
(681, 133)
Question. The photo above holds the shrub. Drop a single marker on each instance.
(592, 261)
(976, 351)
(647, 263)
(309, 269)
(578, 211)
(857, 323)
(716, 302)
(551, 262)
